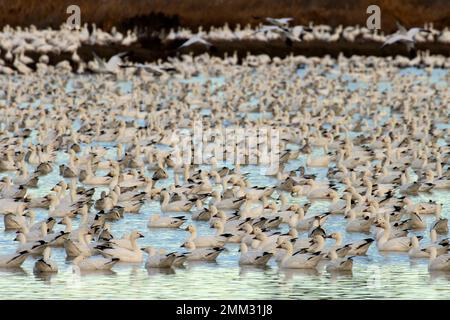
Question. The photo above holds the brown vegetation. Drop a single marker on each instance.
(157, 14)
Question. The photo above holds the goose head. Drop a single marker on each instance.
(188, 245)
(191, 228)
(136, 235)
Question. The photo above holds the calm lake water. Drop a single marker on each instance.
(391, 276)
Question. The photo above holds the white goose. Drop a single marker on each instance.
(175, 206)
(132, 255)
(438, 263)
(206, 241)
(157, 260)
(356, 224)
(75, 248)
(14, 260)
(299, 260)
(201, 254)
(44, 264)
(95, 263)
(127, 240)
(339, 264)
(35, 248)
(226, 204)
(253, 257)
(416, 251)
(156, 221)
(401, 244)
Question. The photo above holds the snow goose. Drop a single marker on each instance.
(355, 224)
(337, 205)
(442, 246)
(207, 241)
(339, 264)
(195, 39)
(438, 263)
(45, 264)
(440, 224)
(132, 255)
(226, 204)
(201, 254)
(35, 248)
(14, 221)
(299, 260)
(75, 248)
(205, 214)
(360, 247)
(14, 260)
(416, 251)
(416, 221)
(404, 36)
(127, 241)
(253, 257)
(157, 260)
(112, 66)
(311, 222)
(339, 249)
(233, 235)
(94, 263)
(401, 244)
(175, 206)
(156, 221)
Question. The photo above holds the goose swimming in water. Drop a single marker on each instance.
(401, 244)
(438, 263)
(201, 254)
(299, 260)
(253, 257)
(44, 264)
(339, 264)
(94, 263)
(207, 241)
(156, 221)
(14, 260)
(156, 260)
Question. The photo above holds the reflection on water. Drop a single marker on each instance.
(387, 275)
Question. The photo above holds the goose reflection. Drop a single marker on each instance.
(17, 271)
(45, 277)
(245, 270)
(289, 274)
(435, 276)
(338, 275)
(160, 271)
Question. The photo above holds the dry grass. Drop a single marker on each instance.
(193, 13)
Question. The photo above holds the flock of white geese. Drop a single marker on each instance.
(16, 43)
(273, 29)
(375, 156)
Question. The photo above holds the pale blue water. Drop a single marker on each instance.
(389, 276)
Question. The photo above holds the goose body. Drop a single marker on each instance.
(94, 263)
(201, 254)
(14, 260)
(44, 264)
